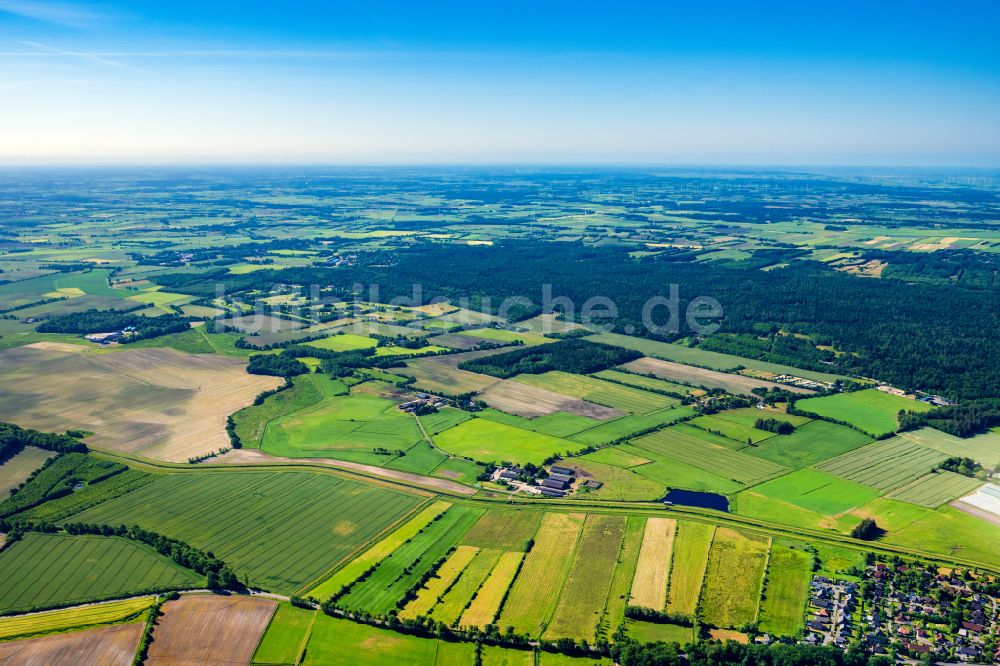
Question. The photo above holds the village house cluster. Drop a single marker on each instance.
(910, 611)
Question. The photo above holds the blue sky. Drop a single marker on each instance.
(874, 83)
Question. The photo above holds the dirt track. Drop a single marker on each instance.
(256, 457)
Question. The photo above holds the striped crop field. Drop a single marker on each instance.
(455, 600)
(73, 618)
(393, 576)
(486, 603)
(375, 554)
(884, 465)
(585, 592)
(536, 590)
(649, 587)
(442, 580)
(713, 458)
(250, 518)
(47, 570)
(628, 559)
(934, 489)
(691, 548)
(734, 578)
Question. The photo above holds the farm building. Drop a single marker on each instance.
(555, 469)
(552, 483)
(551, 492)
(561, 477)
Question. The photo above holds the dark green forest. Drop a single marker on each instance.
(941, 338)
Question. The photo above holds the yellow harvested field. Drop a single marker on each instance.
(108, 646)
(649, 587)
(533, 401)
(486, 604)
(449, 572)
(72, 618)
(536, 590)
(158, 403)
(209, 628)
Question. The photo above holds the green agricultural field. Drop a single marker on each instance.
(617, 457)
(748, 416)
(871, 411)
(650, 632)
(789, 571)
(337, 642)
(48, 570)
(441, 420)
(814, 490)
(506, 529)
(934, 489)
(625, 398)
(644, 382)
(734, 578)
(306, 391)
(285, 637)
(455, 600)
(629, 425)
(690, 560)
(249, 518)
(741, 434)
(984, 448)
(581, 603)
(557, 424)
(395, 574)
(884, 465)
(501, 335)
(347, 427)
(458, 469)
(949, 532)
(809, 444)
(681, 445)
(534, 595)
(672, 472)
(345, 342)
(489, 441)
(358, 565)
(705, 358)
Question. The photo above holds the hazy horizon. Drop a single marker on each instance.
(725, 84)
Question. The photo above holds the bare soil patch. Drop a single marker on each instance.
(688, 374)
(209, 629)
(532, 401)
(109, 646)
(158, 403)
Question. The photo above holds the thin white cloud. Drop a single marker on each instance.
(60, 13)
(84, 56)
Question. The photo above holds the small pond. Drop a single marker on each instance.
(693, 498)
